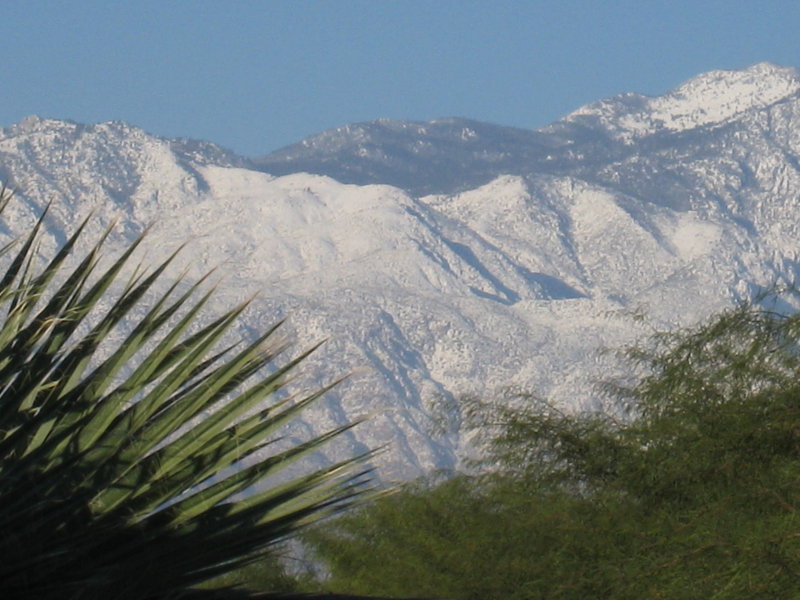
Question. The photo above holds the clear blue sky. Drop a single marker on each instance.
(255, 76)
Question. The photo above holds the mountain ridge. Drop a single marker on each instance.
(454, 154)
(557, 243)
(708, 99)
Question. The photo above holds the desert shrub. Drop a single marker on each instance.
(689, 490)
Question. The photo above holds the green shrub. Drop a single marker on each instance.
(693, 495)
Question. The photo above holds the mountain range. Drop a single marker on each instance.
(454, 258)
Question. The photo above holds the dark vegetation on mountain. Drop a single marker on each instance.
(444, 156)
(129, 423)
(691, 490)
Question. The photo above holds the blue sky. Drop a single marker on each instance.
(255, 76)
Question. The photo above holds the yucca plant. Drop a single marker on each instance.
(118, 465)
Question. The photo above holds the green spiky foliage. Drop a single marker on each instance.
(103, 449)
(695, 494)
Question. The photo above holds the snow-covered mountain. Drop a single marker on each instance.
(457, 257)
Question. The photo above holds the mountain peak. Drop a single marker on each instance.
(34, 123)
(723, 94)
(707, 99)
(443, 155)
(764, 81)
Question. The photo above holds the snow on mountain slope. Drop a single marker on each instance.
(708, 99)
(512, 279)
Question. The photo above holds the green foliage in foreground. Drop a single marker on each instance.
(103, 445)
(267, 574)
(694, 494)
